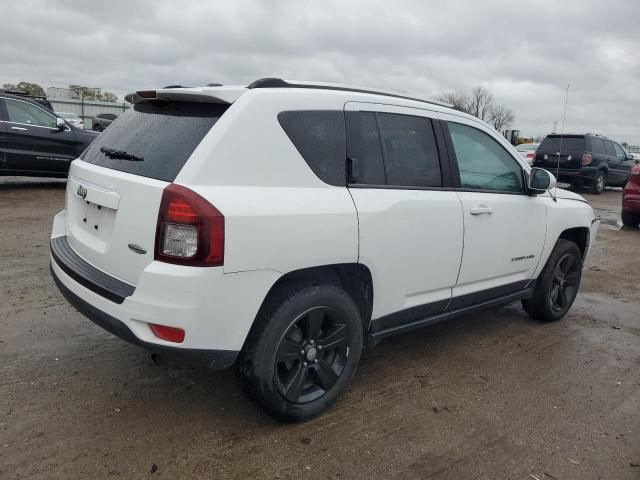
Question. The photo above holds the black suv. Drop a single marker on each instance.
(34, 142)
(585, 160)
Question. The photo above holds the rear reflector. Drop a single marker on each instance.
(170, 334)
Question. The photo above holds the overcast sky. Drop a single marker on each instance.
(524, 52)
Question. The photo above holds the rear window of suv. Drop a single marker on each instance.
(572, 143)
(164, 134)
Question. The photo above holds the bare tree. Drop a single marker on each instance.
(28, 88)
(501, 117)
(481, 103)
(459, 100)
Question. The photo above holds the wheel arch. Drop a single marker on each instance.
(353, 278)
(579, 236)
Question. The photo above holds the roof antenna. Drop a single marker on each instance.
(564, 116)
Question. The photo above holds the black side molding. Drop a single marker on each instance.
(87, 275)
(214, 359)
(376, 335)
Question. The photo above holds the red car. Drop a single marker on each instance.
(631, 199)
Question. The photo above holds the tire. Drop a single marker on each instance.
(598, 182)
(630, 219)
(97, 128)
(557, 285)
(302, 352)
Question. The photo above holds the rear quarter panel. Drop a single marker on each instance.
(278, 214)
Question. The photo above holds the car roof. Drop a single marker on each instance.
(228, 94)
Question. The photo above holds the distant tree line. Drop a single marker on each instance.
(480, 103)
(79, 91)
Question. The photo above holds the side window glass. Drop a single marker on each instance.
(483, 163)
(619, 152)
(371, 164)
(597, 145)
(610, 150)
(411, 155)
(23, 112)
(319, 136)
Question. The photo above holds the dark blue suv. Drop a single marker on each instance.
(586, 160)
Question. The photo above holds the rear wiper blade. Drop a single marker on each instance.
(113, 153)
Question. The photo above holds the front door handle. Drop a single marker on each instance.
(481, 210)
(20, 128)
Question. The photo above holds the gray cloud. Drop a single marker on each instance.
(526, 53)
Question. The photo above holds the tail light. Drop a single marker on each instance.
(190, 231)
(586, 159)
(530, 157)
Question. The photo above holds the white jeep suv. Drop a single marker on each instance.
(284, 226)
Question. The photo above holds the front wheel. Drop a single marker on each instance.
(303, 351)
(558, 284)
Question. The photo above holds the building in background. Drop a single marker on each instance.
(68, 100)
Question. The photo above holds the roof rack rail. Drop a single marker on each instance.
(214, 84)
(280, 83)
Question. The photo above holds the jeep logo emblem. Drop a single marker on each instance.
(82, 192)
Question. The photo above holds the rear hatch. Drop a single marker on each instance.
(558, 151)
(114, 192)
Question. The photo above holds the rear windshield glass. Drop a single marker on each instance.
(164, 134)
(569, 144)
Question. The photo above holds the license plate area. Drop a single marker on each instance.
(92, 224)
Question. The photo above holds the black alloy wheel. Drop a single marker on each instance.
(565, 282)
(557, 285)
(311, 355)
(303, 350)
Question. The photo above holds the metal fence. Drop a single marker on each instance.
(87, 109)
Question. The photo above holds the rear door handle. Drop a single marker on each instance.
(19, 128)
(481, 210)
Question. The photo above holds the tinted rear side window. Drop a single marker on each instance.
(319, 136)
(164, 134)
(597, 145)
(411, 155)
(569, 144)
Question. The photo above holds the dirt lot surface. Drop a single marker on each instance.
(493, 395)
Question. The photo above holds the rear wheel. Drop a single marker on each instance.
(630, 219)
(303, 352)
(557, 285)
(97, 128)
(598, 182)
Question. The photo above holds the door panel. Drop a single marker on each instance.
(33, 142)
(412, 242)
(504, 228)
(503, 239)
(410, 225)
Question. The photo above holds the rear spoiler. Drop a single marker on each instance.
(225, 96)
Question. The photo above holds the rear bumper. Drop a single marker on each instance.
(215, 359)
(584, 175)
(215, 309)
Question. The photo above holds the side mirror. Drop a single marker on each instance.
(540, 180)
(629, 156)
(60, 124)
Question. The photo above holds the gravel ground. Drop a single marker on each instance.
(492, 395)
